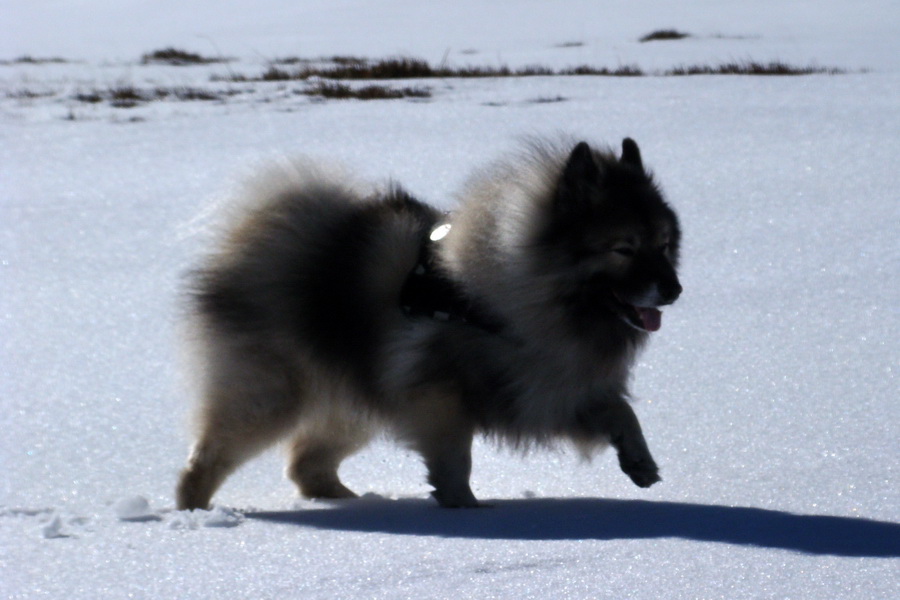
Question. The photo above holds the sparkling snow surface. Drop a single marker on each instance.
(769, 398)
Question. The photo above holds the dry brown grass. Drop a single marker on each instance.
(340, 91)
(178, 58)
(664, 34)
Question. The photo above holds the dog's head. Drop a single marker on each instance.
(617, 235)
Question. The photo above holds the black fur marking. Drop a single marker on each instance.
(313, 289)
(333, 312)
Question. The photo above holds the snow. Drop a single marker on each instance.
(769, 397)
(134, 508)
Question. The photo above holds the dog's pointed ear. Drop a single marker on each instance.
(631, 154)
(581, 165)
(579, 177)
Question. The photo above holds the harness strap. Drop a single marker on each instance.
(428, 292)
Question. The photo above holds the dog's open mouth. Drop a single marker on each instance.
(646, 318)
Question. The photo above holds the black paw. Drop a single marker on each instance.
(459, 499)
(643, 472)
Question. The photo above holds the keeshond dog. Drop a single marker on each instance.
(333, 310)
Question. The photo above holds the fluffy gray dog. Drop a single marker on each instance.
(331, 311)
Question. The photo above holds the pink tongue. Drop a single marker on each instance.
(650, 317)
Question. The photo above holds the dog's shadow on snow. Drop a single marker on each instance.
(600, 519)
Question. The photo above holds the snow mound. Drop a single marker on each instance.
(135, 509)
(53, 528)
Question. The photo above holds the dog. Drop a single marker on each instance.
(333, 310)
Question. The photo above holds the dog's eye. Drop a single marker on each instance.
(664, 248)
(624, 250)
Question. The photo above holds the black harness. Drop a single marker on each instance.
(429, 293)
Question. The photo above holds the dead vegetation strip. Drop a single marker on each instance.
(664, 35)
(325, 77)
(340, 91)
(403, 68)
(33, 60)
(357, 69)
(129, 96)
(178, 58)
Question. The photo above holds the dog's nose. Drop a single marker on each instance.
(670, 290)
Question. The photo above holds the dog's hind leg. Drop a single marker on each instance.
(247, 408)
(211, 461)
(317, 451)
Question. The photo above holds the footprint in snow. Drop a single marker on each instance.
(218, 516)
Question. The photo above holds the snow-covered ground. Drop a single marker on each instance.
(769, 398)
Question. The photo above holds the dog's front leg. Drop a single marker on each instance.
(615, 421)
(448, 471)
(438, 429)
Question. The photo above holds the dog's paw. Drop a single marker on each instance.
(327, 490)
(456, 499)
(643, 471)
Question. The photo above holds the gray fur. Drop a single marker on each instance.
(299, 331)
